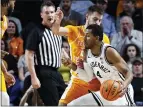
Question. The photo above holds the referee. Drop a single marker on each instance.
(43, 57)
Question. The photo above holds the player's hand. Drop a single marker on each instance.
(35, 83)
(66, 61)
(73, 66)
(9, 78)
(58, 16)
(80, 63)
(123, 88)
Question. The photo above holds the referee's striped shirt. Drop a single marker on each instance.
(46, 45)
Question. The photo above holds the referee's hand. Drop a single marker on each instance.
(35, 83)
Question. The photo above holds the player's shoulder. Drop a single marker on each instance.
(111, 54)
(108, 48)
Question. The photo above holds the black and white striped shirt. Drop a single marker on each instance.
(46, 45)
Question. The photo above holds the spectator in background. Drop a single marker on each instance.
(70, 16)
(15, 43)
(81, 6)
(129, 9)
(139, 4)
(22, 69)
(127, 35)
(65, 70)
(108, 21)
(137, 81)
(129, 53)
(9, 58)
(11, 65)
(18, 23)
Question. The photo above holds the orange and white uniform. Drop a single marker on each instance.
(78, 87)
(3, 28)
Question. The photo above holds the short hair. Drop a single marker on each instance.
(96, 30)
(95, 8)
(4, 2)
(129, 18)
(47, 3)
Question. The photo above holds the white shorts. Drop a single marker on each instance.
(95, 98)
(4, 99)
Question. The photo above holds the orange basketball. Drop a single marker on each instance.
(109, 90)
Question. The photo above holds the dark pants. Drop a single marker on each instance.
(52, 85)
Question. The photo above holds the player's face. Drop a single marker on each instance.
(94, 18)
(48, 15)
(138, 68)
(89, 40)
(11, 28)
(131, 51)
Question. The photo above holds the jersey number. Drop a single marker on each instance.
(98, 74)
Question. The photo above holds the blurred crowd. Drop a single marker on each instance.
(125, 31)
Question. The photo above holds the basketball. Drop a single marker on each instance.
(109, 90)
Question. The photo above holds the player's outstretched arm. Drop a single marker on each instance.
(116, 60)
(56, 28)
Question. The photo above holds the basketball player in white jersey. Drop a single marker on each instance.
(106, 63)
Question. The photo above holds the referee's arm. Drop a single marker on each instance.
(29, 56)
(31, 47)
